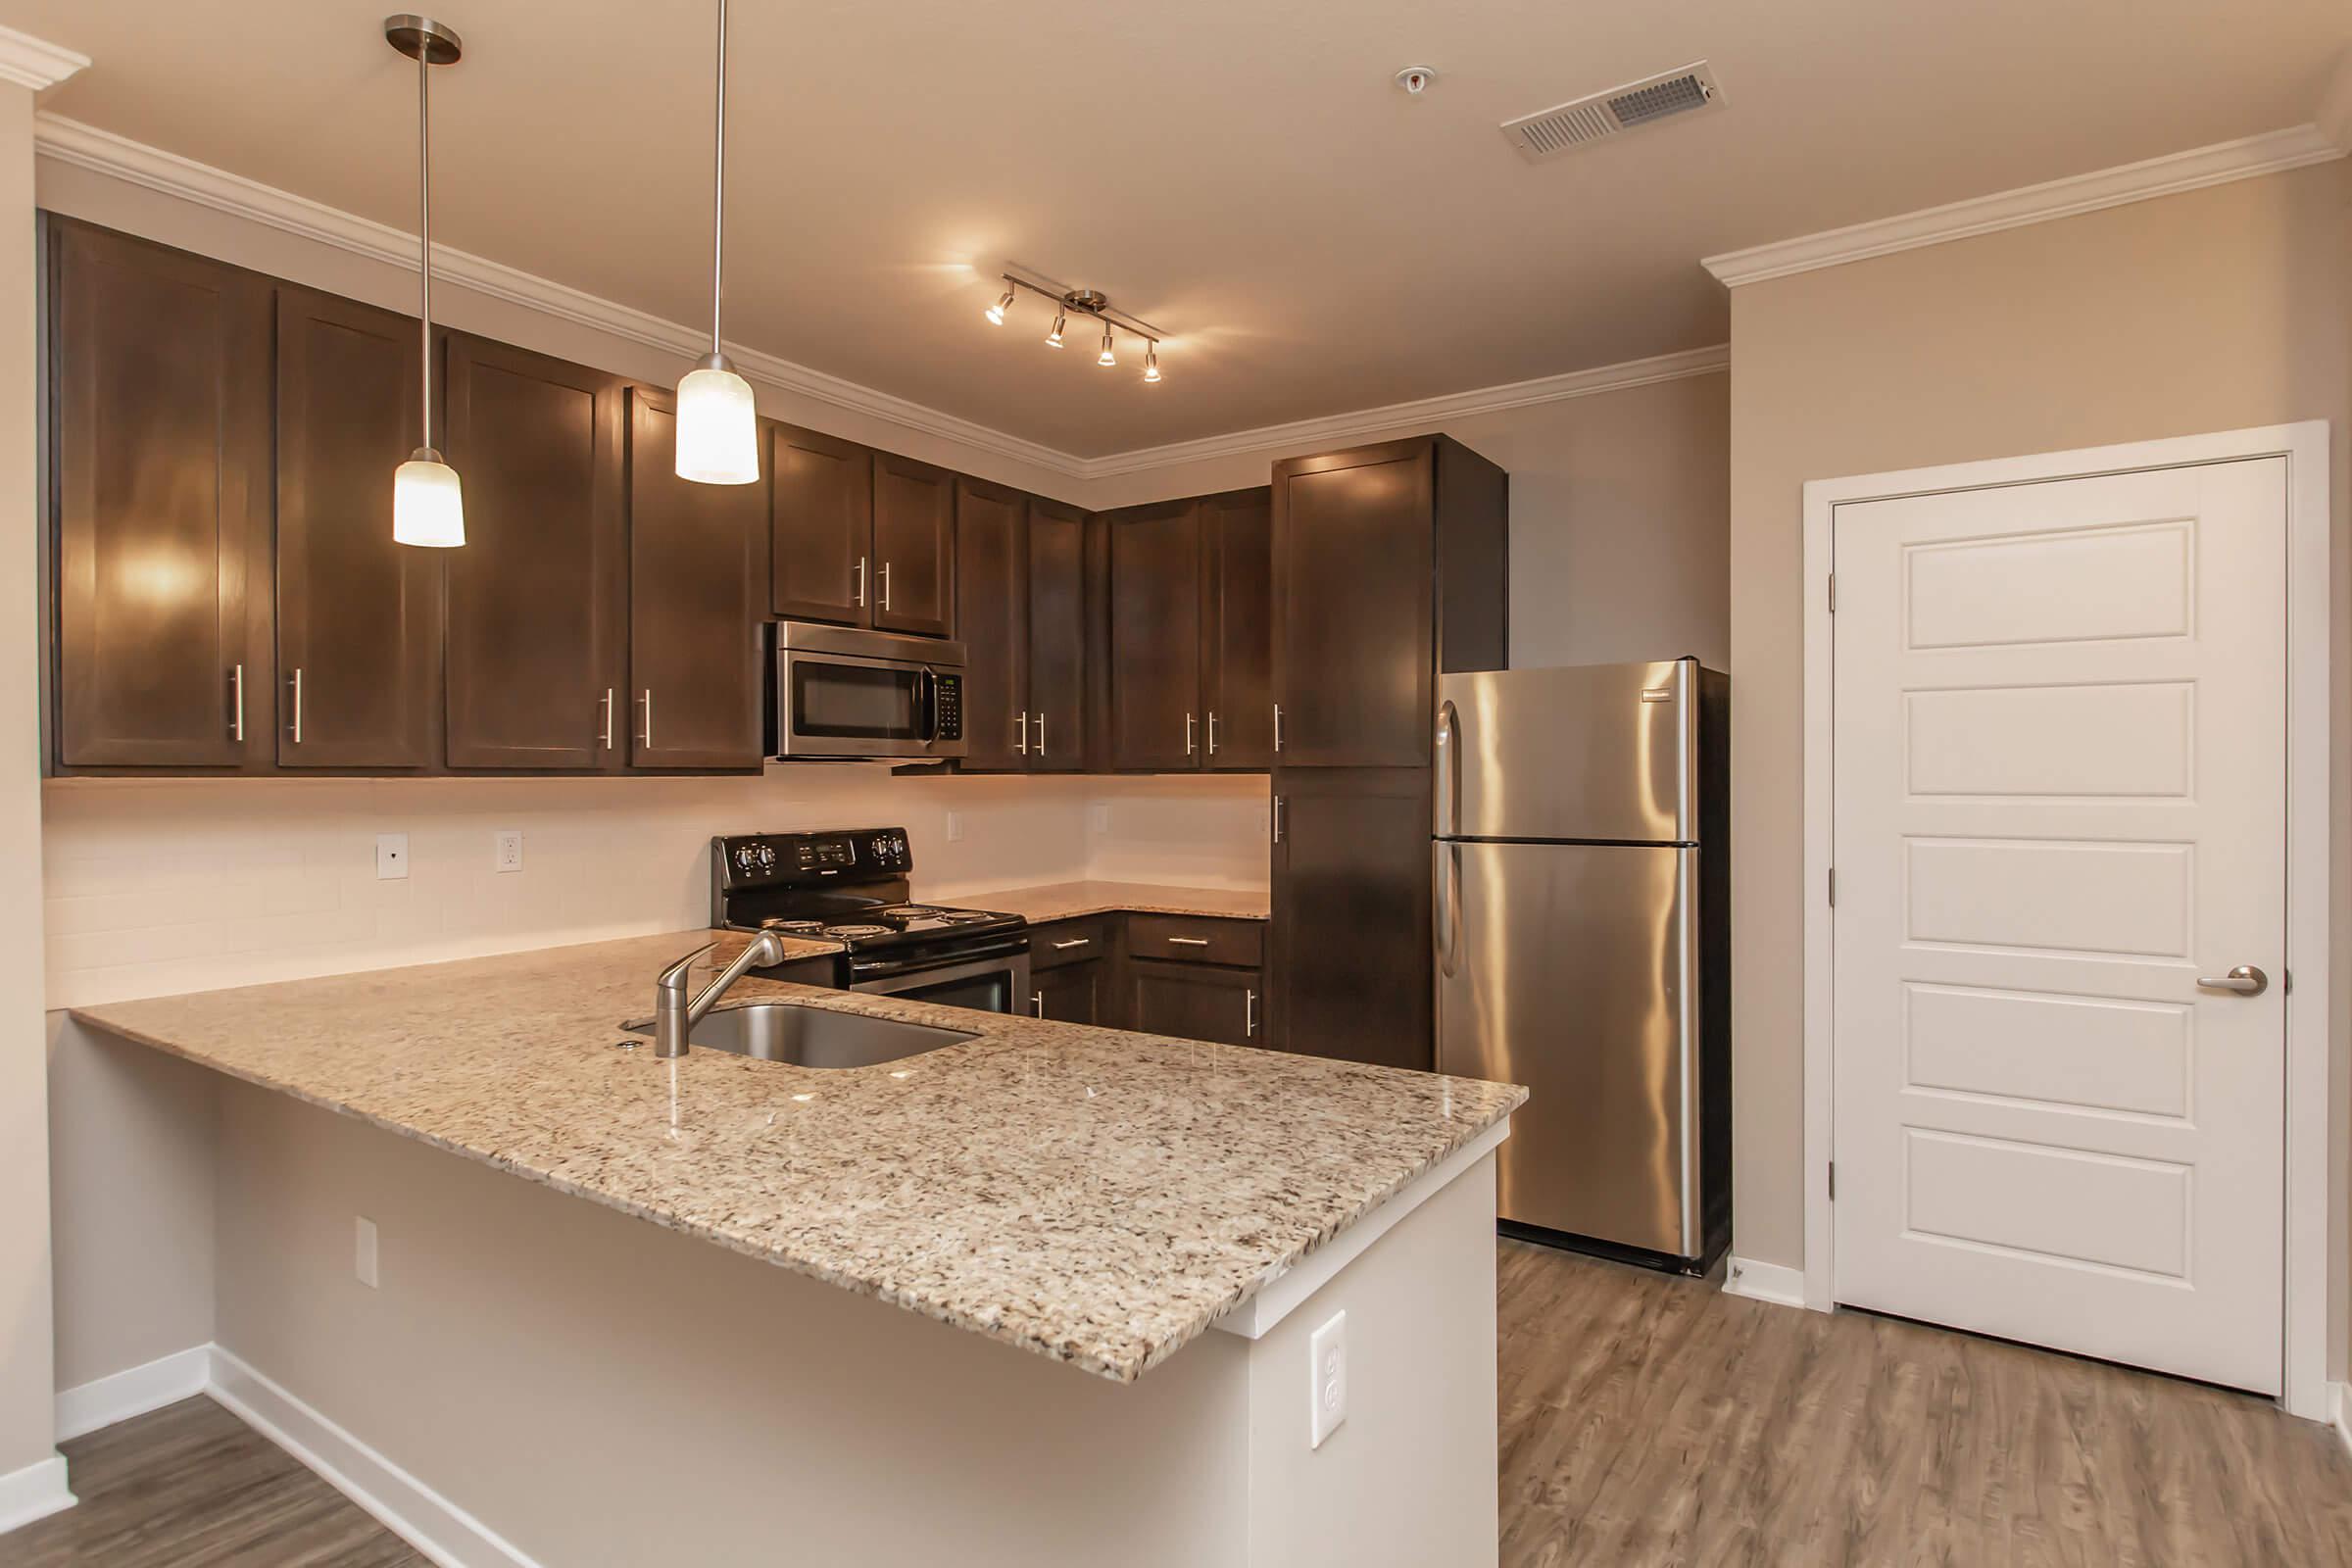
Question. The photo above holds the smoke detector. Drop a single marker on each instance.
(1416, 80)
(1669, 95)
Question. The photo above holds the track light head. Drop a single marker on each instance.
(1106, 356)
(1152, 363)
(1053, 338)
(996, 312)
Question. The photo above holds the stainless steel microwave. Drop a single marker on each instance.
(842, 692)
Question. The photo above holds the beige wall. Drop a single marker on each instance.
(25, 1291)
(2210, 310)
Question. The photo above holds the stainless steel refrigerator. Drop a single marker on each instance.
(1581, 926)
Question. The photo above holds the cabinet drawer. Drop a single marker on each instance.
(1194, 939)
(1063, 942)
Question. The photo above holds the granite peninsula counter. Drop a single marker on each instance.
(1093, 1197)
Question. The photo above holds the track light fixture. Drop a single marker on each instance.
(1085, 302)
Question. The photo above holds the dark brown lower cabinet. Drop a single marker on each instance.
(1193, 1000)
(1350, 946)
(1071, 994)
(358, 616)
(538, 598)
(698, 594)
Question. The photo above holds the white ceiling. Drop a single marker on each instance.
(1243, 174)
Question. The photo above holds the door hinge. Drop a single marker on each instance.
(1832, 1181)
(1833, 887)
(1833, 593)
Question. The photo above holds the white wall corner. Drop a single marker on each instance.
(1776, 1282)
(35, 63)
(2271, 152)
(2334, 113)
(103, 1401)
(34, 1492)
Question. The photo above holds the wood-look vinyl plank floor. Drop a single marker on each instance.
(1646, 1420)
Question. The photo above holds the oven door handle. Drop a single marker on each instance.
(864, 969)
(1013, 964)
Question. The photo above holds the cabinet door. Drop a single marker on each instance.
(1056, 638)
(914, 547)
(539, 593)
(1193, 1001)
(698, 584)
(358, 616)
(1071, 994)
(1350, 961)
(823, 527)
(1156, 712)
(1352, 575)
(992, 580)
(1239, 628)
(160, 419)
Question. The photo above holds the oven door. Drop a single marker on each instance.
(843, 692)
(999, 983)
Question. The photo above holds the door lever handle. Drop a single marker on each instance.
(2245, 980)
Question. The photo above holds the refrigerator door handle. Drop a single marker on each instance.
(1450, 913)
(1449, 770)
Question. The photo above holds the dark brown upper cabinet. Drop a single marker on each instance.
(1155, 714)
(160, 490)
(914, 547)
(992, 582)
(698, 597)
(1389, 564)
(538, 596)
(1237, 634)
(822, 537)
(1057, 640)
(358, 616)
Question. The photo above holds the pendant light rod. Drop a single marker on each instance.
(424, 233)
(718, 187)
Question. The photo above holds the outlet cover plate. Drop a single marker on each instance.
(1327, 1355)
(391, 856)
(508, 853)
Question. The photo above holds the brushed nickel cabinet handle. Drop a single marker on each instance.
(647, 739)
(886, 585)
(1021, 743)
(1188, 734)
(1037, 1002)
(608, 724)
(1249, 1014)
(298, 705)
(236, 716)
(1190, 942)
(1041, 735)
(1212, 732)
(1278, 819)
(1074, 942)
(1277, 726)
(861, 582)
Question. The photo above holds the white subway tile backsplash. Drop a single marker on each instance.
(164, 886)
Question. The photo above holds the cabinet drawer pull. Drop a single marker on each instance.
(607, 725)
(1249, 1014)
(1190, 942)
(298, 705)
(237, 723)
(861, 582)
(1074, 942)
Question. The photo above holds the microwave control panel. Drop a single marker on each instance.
(950, 707)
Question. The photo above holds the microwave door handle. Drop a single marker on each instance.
(926, 687)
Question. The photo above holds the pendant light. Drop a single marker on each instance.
(719, 425)
(429, 507)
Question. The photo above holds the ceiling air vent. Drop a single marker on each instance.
(1604, 115)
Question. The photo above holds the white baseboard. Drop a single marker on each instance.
(1766, 1282)
(103, 1401)
(2339, 1412)
(404, 1504)
(33, 1493)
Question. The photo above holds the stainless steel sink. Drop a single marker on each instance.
(810, 1037)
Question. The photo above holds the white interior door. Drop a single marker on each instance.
(2059, 799)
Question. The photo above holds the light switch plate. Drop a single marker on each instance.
(363, 1258)
(1327, 1354)
(391, 856)
(508, 855)
(955, 827)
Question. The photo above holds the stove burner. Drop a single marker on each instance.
(848, 932)
(795, 928)
(965, 916)
(908, 912)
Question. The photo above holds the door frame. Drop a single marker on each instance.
(2310, 1216)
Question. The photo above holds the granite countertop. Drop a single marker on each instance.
(1096, 1197)
(1062, 901)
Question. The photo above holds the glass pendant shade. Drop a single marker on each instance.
(428, 506)
(719, 426)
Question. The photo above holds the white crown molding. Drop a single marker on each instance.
(2334, 113)
(83, 146)
(36, 63)
(2266, 154)
(1423, 413)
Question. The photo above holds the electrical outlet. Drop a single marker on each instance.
(1099, 819)
(955, 827)
(363, 1261)
(1327, 1351)
(508, 855)
(391, 856)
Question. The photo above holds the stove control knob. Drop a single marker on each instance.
(900, 845)
(882, 848)
(767, 856)
(744, 858)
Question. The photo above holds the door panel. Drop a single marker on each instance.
(992, 580)
(823, 527)
(1561, 967)
(1352, 638)
(2060, 780)
(698, 590)
(914, 547)
(358, 616)
(1056, 638)
(1192, 1002)
(1156, 712)
(537, 597)
(1071, 994)
(161, 490)
(1349, 944)
(1240, 630)
(1591, 751)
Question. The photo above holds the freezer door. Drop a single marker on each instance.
(1589, 752)
(1572, 970)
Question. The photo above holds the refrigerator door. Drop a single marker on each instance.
(1593, 752)
(1571, 968)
